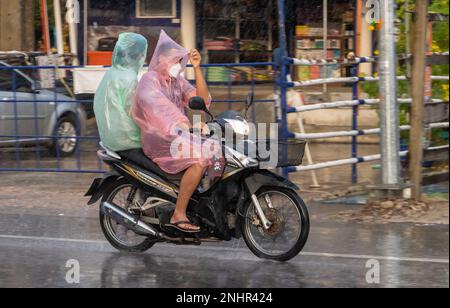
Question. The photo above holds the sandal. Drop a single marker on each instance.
(177, 226)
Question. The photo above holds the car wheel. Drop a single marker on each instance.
(66, 132)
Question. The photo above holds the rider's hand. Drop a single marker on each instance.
(183, 127)
(195, 58)
(202, 127)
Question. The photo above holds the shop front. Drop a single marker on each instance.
(229, 31)
(236, 31)
(324, 30)
(104, 20)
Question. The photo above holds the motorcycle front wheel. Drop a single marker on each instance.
(290, 224)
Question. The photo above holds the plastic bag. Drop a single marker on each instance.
(114, 96)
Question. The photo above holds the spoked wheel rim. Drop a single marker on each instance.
(286, 227)
(67, 137)
(119, 233)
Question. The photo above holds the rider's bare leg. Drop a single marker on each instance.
(191, 179)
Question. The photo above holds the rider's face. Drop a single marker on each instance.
(168, 58)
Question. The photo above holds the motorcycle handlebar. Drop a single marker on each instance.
(197, 131)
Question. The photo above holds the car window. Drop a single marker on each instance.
(6, 82)
(23, 85)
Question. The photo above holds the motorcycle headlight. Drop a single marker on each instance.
(240, 127)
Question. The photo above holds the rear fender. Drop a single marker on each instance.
(98, 188)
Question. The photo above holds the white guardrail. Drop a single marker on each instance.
(349, 61)
(356, 160)
(350, 103)
(323, 81)
(371, 131)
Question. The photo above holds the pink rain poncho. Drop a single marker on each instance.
(159, 109)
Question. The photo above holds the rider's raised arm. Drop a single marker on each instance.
(189, 91)
(201, 85)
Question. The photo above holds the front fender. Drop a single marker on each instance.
(263, 178)
(254, 182)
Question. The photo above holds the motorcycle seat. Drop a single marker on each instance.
(137, 157)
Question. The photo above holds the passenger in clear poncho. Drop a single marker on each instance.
(159, 110)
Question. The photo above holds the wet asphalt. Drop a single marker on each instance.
(35, 249)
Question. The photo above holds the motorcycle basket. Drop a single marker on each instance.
(289, 152)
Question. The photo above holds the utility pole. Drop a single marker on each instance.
(325, 38)
(28, 35)
(188, 29)
(16, 25)
(417, 107)
(389, 115)
(58, 27)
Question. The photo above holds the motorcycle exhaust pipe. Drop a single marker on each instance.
(122, 217)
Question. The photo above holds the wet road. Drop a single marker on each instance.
(34, 250)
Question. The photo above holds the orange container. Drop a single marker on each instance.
(314, 72)
(99, 57)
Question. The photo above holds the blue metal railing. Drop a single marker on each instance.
(85, 161)
(25, 138)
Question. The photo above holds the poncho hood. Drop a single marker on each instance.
(130, 52)
(167, 53)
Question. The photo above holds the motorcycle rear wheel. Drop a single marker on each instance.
(110, 228)
(290, 224)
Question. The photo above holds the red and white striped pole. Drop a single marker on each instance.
(45, 26)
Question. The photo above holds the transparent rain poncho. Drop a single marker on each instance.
(159, 109)
(114, 96)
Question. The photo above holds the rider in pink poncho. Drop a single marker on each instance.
(159, 110)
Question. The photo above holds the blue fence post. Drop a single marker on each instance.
(283, 75)
(355, 96)
(252, 87)
(56, 132)
(355, 110)
(230, 94)
(36, 125)
(16, 118)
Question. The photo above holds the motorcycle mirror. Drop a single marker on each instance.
(198, 103)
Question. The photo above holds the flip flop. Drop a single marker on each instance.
(177, 226)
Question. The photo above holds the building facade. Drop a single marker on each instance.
(228, 31)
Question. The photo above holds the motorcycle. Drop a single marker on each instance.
(138, 198)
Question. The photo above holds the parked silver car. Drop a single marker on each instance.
(30, 121)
